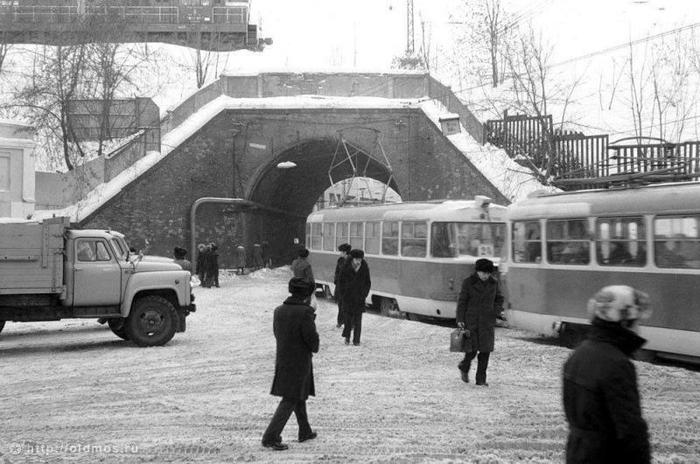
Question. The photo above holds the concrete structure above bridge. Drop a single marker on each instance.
(221, 146)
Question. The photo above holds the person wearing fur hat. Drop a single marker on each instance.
(354, 284)
(480, 303)
(297, 339)
(179, 255)
(344, 250)
(601, 398)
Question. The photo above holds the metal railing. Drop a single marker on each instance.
(131, 14)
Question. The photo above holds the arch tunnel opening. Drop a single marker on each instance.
(279, 200)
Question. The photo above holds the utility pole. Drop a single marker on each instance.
(410, 42)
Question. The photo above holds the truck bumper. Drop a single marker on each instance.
(182, 313)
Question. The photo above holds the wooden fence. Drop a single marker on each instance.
(575, 160)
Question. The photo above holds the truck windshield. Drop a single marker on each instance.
(120, 249)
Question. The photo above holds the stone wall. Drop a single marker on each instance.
(235, 154)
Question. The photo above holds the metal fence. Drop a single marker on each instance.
(575, 160)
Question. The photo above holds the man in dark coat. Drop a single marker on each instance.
(297, 338)
(601, 399)
(344, 250)
(480, 303)
(354, 283)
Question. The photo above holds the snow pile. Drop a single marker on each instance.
(513, 180)
(204, 397)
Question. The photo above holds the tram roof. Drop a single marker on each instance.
(442, 210)
(649, 199)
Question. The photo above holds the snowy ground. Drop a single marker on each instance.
(72, 392)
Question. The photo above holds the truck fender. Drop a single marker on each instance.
(177, 282)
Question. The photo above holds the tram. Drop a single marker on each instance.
(418, 252)
(564, 247)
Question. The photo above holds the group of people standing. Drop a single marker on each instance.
(208, 265)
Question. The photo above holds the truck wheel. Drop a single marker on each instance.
(117, 324)
(152, 321)
(2, 325)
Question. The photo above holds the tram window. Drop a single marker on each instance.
(480, 239)
(341, 234)
(567, 241)
(356, 235)
(621, 241)
(316, 237)
(414, 239)
(329, 236)
(677, 242)
(443, 240)
(308, 235)
(372, 238)
(390, 238)
(526, 240)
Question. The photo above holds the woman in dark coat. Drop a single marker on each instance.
(297, 338)
(354, 284)
(480, 303)
(601, 399)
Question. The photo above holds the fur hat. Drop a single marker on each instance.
(303, 253)
(345, 247)
(483, 265)
(619, 303)
(179, 253)
(357, 253)
(301, 287)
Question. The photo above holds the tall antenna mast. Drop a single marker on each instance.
(410, 42)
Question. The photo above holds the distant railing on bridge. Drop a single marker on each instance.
(575, 160)
(130, 14)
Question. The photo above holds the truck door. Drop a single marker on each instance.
(97, 274)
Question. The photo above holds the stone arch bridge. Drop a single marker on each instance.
(228, 139)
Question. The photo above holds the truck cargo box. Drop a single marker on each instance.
(31, 256)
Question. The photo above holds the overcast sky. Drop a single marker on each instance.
(367, 34)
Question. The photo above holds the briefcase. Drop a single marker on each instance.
(460, 341)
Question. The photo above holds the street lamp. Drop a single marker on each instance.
(286, 165)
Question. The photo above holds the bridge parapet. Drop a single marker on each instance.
(385, 85)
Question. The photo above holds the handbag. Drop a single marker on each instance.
(460, 341)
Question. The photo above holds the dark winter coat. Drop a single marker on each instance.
(339, 265)
(601, 400)
(354, 286)
(302, 269)
(297, 338)
(478, 305)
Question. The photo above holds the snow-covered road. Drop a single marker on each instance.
(71, 391)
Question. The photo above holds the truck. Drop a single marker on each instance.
(50, 271)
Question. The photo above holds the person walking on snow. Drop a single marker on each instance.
(600, 393)
(297, 339)
(354, 283)
(480, 304)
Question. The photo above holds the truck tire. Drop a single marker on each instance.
(151, 322)
(118, 326)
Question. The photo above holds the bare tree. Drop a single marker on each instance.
(662, 85)
(535, 92)
(54, 81)
(487, 28)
